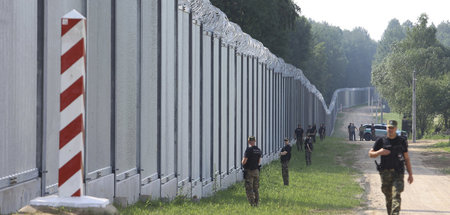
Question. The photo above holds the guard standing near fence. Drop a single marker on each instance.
(308, 150)
(393, 150)
(299, 135)
(285, 156)
(322, 132)
(252, 165)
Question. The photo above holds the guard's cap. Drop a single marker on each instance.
(392, 123)
(286, 139)
(251, 138)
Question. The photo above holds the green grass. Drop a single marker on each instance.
(326, 187)
(435, 137)
(445, 146)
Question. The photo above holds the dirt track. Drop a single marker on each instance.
(428, 194)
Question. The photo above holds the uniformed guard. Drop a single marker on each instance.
(314, 131)
(252, 164)
(393, 150)
(299, 134)
(361, 132)
(322, 132)
(372, 131)
(308, 150)
(285, 156)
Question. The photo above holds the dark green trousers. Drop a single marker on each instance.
(392, 186)
(252, 186)
(285, 172)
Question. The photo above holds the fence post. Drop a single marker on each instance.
(72, 104)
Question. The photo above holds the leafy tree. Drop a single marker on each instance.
(359, 49)
(393, 34)
(268, 21)
(443, 33)
(420, 51)
(299, 51)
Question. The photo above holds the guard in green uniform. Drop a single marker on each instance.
(393, 150)
(252, 165)
(285, 156)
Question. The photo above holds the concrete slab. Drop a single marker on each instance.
(239, 176)
(108, 210)
(15, 197)
(207, 189)
(169, 189)
(73, 202)
(197, 190)
(152, 189)
(184, 189)
(101, 187)
(128, 189)
(228, 180)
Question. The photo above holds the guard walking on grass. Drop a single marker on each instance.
(252, 164)
(308, 150)
(393, 150)
(285, 156)
(299, 134)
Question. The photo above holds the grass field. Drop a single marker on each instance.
(444, 146)
(326, 187)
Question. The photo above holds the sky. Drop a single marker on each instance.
(373, 15)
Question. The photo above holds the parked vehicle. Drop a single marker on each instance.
(380, 131)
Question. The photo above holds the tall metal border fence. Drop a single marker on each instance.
(173, 91)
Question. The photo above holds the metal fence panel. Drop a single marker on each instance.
(149, 91)
(216, 99)
(197, 100)
(223, 117)
(18, 85)
(168, 87)
(231, 107)
(98, 89)
(183, 109)
(126, 86)
(207, 101)
(54, 10)
(239, 110)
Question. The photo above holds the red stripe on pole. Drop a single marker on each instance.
(70, 131)
(69, 169)
(72, 55)
(70, 94)
(68, 26)
(77, 193)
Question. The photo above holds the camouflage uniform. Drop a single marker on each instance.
(251, 186)
(392, 186)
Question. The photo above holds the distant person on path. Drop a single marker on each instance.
(393, 150)
(299, 135)
(285, 156)
(310, 132)
(349, 132)
(322, 132)
(252, 165)
(352, 132)
(372, 131)
(308, 150)
(361, 132)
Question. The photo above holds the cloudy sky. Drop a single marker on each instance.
(373, 15)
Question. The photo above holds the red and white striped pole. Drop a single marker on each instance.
(72, 104)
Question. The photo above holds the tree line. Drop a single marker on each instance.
(423, 48)
(333, 58)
